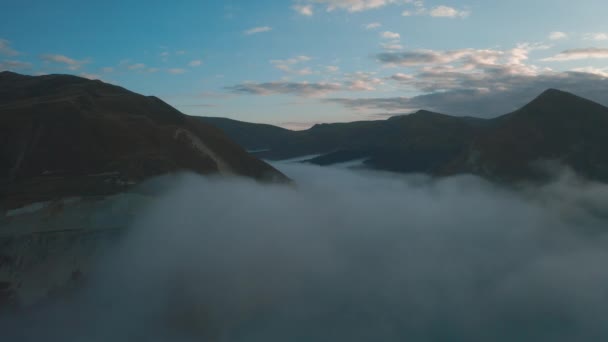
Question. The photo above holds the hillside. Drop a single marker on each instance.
(63, 136)
(556, 126)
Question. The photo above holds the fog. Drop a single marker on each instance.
(347, 255)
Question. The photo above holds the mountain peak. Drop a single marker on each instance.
(424, 112)
(9, 75)
(555, 93)
(554, 102)
(556, 96)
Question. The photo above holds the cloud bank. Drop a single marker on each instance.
(348, 256)
(482, 95)
(281, 87)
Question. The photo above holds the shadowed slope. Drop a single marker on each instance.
(63, 135)
(556, 126)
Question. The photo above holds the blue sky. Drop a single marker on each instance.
(296, 63)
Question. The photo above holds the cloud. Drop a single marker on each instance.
(420, 57)
(70, 63)
(390, 35)
(591, 70)
(392, 46)
(292, 88)
(468, 58)
(342, 256)
(447, 12)
(557, 35)
(306, 10)
(395, 44)
(195, 63)
(287, 65)
(363, 85)
(402, 77)
(8, 65)
(419, 9)
(355, 5)
(306, 7)
(362, 81)
(597, 36)
(90, 76)
(485, 97)
(372, 26)
(256, 30)
(476, 82)
(6, 49)
(136, 66)
(176, 71)
(332, 68)
(578, 54)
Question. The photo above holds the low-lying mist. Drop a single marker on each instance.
(348, 256)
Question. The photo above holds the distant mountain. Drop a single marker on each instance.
(556, 126)
(63, 136)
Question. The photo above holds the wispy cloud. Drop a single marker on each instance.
(596, 36)
(483, 82)
(578, 54)
(448, 12)
(90, 76)
(136, 66)
(392, 46)
(289, 65)
(372, 26)
(291, 88)
(176, 71)
(353, 5)
(305, 10)
(195, 63)
(332, 68)
(557, 35)
(390, 35)
(362, 81)
(306, 7)
(14, 65)
(256, 30)
(442, 11)
(70, 63)
(506, 94)
(6, 49)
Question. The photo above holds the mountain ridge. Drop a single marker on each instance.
(556, 125)
(59, 133)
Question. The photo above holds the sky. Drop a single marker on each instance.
(301, 62)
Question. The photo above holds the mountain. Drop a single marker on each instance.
(64, 136)
(556, 126)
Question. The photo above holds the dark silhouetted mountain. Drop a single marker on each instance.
(64, 136)
(556, 126)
